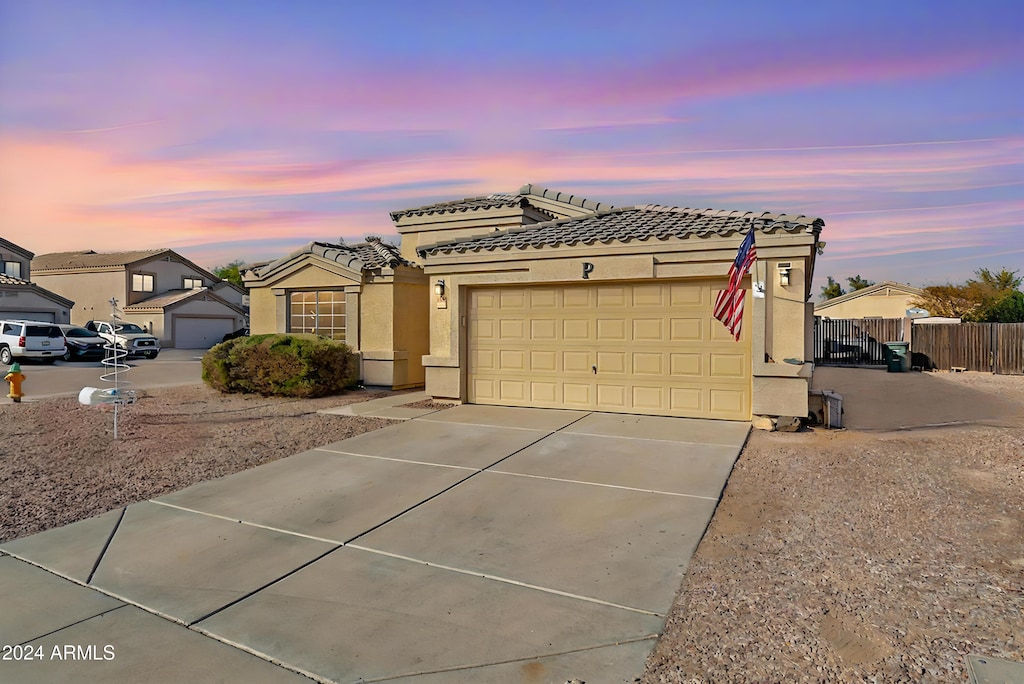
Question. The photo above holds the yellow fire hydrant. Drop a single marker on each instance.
(15, 377)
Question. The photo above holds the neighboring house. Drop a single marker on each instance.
(367, 295)
(547, 300)
(158, 289)
(884, 300)
(21, 299)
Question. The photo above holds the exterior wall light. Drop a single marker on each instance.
(784, 269)
(442, 302)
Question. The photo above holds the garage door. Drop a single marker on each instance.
(46, 316)
(200, 333)
(648, 348)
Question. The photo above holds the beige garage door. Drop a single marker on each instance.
(649, 348)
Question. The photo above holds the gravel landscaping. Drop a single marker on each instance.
(885, 552)
(873, 555)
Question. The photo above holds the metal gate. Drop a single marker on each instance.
(854, 341)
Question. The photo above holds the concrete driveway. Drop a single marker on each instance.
(475, 544)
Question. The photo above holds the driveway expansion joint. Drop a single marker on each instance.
(505, 580)
(461, 668)
(106, 546)
(604, 484)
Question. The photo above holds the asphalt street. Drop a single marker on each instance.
(171, 367)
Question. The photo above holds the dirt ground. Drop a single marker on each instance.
(871, 554)
(885, 552)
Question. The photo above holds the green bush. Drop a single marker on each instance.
(281, 365)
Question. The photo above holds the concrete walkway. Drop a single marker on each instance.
(475, 544)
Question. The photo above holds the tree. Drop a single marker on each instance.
(1009, 309)
(1004, 281)
(231, 272)
(858, 283)
(951, 301)
(832, 290)
(990, 297)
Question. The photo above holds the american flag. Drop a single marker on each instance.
(729, 305)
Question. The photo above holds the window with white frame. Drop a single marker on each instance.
(12, 268)
(320, 312)
(191, 283)
(142, 282)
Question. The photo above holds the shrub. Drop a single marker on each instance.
(281, 365)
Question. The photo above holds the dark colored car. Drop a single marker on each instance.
(241, 332)
(81, 344)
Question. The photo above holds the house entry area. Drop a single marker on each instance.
(636, 347)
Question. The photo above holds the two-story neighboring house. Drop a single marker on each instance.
(19, 297)
(184, 305)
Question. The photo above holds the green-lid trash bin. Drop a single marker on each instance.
(897, 357)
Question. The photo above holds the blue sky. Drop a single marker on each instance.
(243, 130)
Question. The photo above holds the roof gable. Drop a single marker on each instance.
(627, 224)
(869, 291)
(8, 245)
(372, 254)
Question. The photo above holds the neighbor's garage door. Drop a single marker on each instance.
(46, 316)
(200, 333)
(650, 348)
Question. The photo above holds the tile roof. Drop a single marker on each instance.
(11, 280)
(627, 224)
(501, 199)
(166, 299)
(90, 259)
(374, 253)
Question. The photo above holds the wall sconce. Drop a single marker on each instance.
(442, 302)
(784, 268)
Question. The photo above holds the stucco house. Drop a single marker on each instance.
(22, 299)
(883, 300)
(157, 289)
(543, 299)
(367, 295)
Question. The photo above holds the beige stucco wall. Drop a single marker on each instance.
(779, 320)
(91, 292)
(412, 330)
(168, 275)
(879, 305)
(386, 316)
(15, 300)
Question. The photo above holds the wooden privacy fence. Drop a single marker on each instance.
(855, 341)
(989, 347)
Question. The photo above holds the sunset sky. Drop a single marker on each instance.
(242, 130)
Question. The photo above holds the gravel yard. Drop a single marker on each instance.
(873, 555)
(59, 464)
(869, 554)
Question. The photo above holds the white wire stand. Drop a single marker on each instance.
(115, 367)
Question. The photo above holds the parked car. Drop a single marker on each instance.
(82, 344)
(30, 340)
(128, 336)
(241, 332)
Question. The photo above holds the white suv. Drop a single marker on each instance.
(30, 340)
